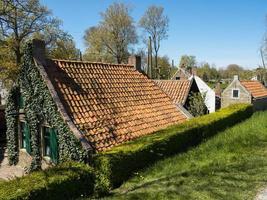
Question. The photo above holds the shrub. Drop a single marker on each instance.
(120, 163)
(65, 181)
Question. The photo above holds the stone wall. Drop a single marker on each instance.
(227, 98)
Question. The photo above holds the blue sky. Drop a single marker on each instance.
(220, 32)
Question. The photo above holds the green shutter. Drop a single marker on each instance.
(27, 138)
(53, 145)
(21, 102)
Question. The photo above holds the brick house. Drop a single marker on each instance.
(68, 109)
(245, 92)
(179, 91)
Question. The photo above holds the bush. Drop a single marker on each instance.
(65, 181)
(122, 162)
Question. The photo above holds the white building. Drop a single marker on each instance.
(203, 87)
(207, 91)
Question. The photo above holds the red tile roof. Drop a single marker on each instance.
(256, 89)
(111, 103)
(177, 90)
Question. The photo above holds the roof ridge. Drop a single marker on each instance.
(172, 80)
(90, 62)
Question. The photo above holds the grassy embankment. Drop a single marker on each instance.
(231, 165)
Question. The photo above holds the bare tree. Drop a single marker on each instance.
(155, 24)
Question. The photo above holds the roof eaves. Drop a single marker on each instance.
(61, 108)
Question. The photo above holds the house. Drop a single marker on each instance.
(245, 92)
(205, 90)
(69, 109)
(179, 91)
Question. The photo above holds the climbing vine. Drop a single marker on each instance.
(39, 107)
(12, 125)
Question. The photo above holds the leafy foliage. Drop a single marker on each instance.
(113, 36)
(12, 124)
(197, 105)
(21, 20)
(187, 62)
(39, 108)
(122, 162)
(65, 181)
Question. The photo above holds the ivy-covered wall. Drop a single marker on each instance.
(39, 107)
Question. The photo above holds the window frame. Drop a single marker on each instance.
(21, 137)
(52, 148)
(44, 150)
(232, 95)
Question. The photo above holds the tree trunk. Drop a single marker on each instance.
(118, 60)
(18, 56)
(156, 65)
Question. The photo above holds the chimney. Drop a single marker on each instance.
(39, 51)
(236, 77)
(135, 61)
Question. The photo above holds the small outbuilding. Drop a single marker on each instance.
(179, 91)
(247, 91)
(205, 90)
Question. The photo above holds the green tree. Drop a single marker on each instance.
(187, 62)
(233, 69)
(96, 50)
(64, 48)
(197, 105)
(164, 67)
(113, 36)
(155, 24)
(207, 73)
(21, 20)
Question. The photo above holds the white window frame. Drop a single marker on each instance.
(232, 94)
(46, 157)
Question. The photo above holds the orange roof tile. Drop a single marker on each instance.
(256, 89)
(177, 90)
(111, 103)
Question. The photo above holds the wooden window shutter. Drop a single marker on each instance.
(27, 138)
(53, 145)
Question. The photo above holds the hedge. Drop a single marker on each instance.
(122, 162)
(65, 181)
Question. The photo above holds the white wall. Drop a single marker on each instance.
(210, 94)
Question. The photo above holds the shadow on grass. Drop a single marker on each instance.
(124, 166)
(207, 182)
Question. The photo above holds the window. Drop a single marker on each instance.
(24, 136)
(50, 144)
(177, 78)
(235, 93)
(46, 132)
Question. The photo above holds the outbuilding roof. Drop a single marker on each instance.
(111, 103)
(177, 90)
(256, 89)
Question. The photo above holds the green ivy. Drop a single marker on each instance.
(39, 107)
(12, 125)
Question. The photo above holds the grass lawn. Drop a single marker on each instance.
(231, 165)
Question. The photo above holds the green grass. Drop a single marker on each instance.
(231, 165)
